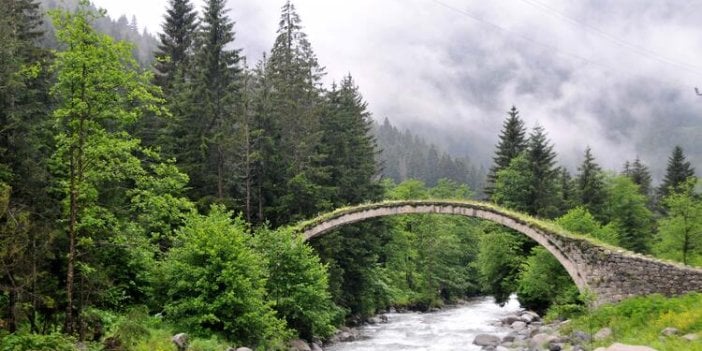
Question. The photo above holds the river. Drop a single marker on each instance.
(450, 329)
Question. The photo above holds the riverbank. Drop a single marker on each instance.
(652, 323)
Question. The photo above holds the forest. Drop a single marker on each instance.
(145, 194)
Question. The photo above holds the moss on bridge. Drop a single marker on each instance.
(530, 221)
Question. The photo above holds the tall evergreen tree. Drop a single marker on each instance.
(208, 144)
(348, 146)
(512, 141)
(28, 209)
(591, 186)
(542, 189)
(566, 190)
(295, 78)
(638, 173)
(176, 42)
(679, 170)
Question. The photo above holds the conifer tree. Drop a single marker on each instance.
(348, 145)
(295, 79)
(542, 189)
(176, 42)
(591, 186)
(28, 210)
(566, 190)
(679, 170)
(208, 129)
(512, 141)
(638, 173)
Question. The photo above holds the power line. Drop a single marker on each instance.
(507, 31)
(529, 39)
(642, 51)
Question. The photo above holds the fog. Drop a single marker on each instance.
(618, 76)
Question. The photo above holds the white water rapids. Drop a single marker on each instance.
(451, 329)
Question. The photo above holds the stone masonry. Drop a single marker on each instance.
(610, 273)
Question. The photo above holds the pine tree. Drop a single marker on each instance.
(543, 174)
(638, 172)
(349, 147)
(295, 80)
(678, 172)
(28, 209)
(176, 42)
(512, 141)
(209, 126)
(591, 187)
(566, 190)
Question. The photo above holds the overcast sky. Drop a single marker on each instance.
(616, 75)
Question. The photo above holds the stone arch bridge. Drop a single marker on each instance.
(611, 273)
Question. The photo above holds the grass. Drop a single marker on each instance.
(640, 320)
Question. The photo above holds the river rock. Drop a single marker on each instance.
(181, 341)
(691, 337)
(581, 336)
(315, 347)
(670, 331)
(542, 340)
(486, 340)
(299, 345)
(602, 334)
(529, 316)
(243, 348)
(518, 325)
(509, 337)
(511, 319)
(501, 348)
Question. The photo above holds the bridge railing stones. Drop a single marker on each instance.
(611, 273)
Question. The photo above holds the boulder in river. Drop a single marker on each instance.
(299, 345)
(486, 340)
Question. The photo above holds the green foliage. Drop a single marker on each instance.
(216, 282)
(628, 213)
(640, 320)
(512, 185)
(680, 232)
(100, 92)
(37, 342)
(542, 200)
(579, 220)
(498, 262)
(512, 142)
(591, 186)
(297, 283)
(543, 281)
(679, 170)
(640, 175)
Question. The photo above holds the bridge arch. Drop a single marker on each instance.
(609, 272)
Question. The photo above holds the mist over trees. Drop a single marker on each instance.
(155, 187)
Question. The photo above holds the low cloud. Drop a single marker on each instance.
(617, 76)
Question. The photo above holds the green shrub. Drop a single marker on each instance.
(37, 342)
(640, 321)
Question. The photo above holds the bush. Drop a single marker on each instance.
(297, 284)
(217, 283)
(37, 342)
(640, 320)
